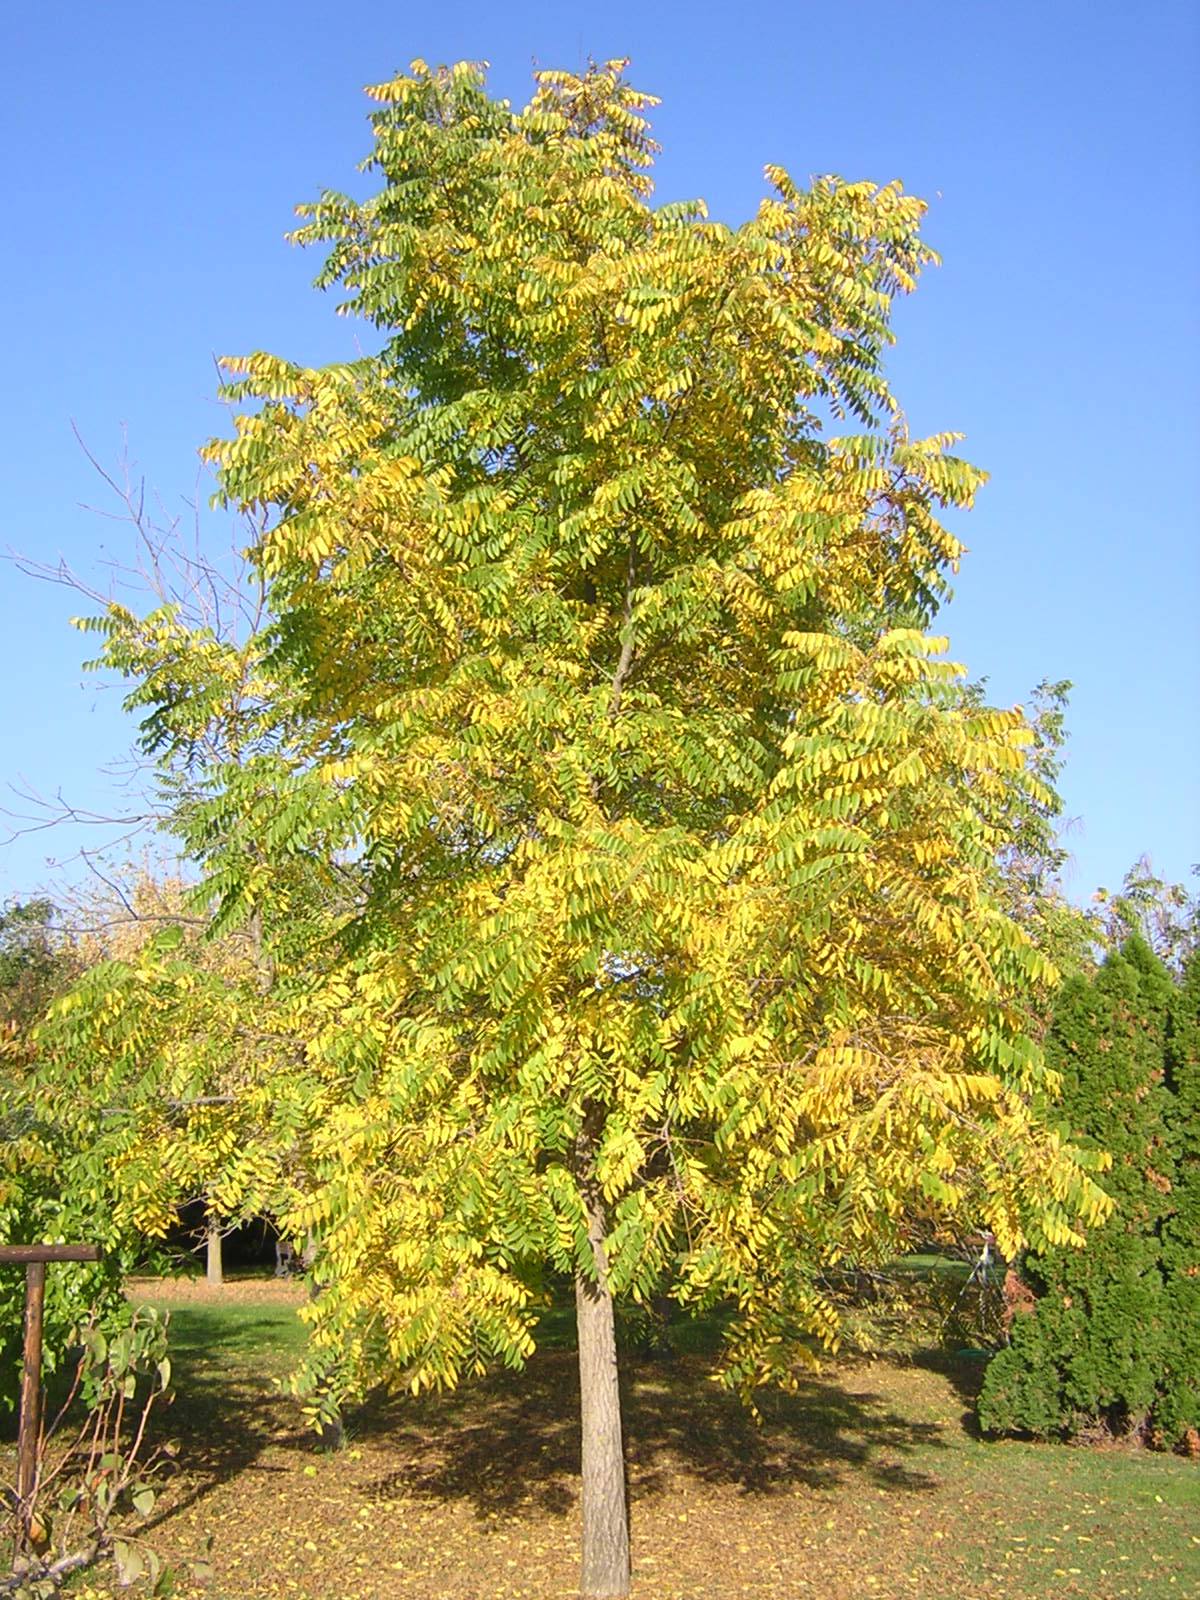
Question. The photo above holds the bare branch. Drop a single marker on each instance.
(625, 660)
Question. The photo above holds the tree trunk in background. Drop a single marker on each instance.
(605, 1566)
(212, 1253)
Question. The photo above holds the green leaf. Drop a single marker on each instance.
(129, 1563)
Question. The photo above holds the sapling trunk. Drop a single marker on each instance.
(604, 1572)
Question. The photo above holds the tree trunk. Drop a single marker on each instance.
(604, 1571)
(212, 1253)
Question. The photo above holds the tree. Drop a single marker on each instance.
(40, 1202)
(144, 1063)
(670, 947)
(1109, 1343)
(1032, 855)
(1163, 914)
(36, 961)
(1177, 1411)
(119, 1098)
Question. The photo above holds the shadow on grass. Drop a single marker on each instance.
(963, 1372)
(511, 1440)
(213, 1348)
(514, 1439)
(225, 1410)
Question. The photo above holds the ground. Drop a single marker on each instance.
(870, 1482)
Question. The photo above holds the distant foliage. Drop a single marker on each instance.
(1178, 1407)
(1112, 1342)
(141, 1049)
(1160, 912)
(36, 961)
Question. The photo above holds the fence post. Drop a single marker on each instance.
(31, 1384)
(35, 1257)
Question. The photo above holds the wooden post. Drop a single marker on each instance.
(31, 1384)
(35, 1257)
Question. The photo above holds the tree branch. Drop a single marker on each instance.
(628, 638)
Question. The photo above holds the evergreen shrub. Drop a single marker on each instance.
(1111, 1343)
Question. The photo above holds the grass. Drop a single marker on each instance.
(870, 1481)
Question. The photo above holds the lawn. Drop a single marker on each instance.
(868, 1482)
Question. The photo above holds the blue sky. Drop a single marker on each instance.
(153, 154)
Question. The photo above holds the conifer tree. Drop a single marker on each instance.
(1108, 1337)
(1177, 1412)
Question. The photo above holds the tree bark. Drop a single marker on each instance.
(604, 1572)
(213, 1270)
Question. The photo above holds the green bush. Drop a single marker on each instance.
(1112, 1343)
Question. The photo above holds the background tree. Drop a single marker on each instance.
(39, 1204)
(670, 947)
(1033, 854)
(120, 1101)
(1177, 1410)
(1111, 1333)
(1163, 914)
(37, 960)
(1033, 859)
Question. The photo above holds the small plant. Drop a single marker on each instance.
(94, 1471)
